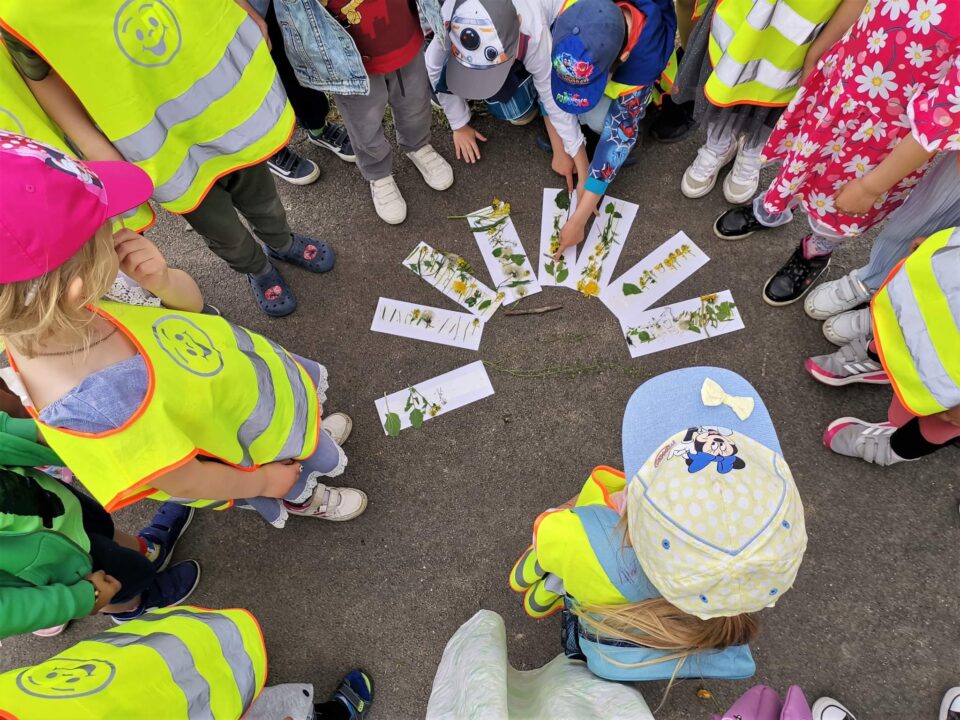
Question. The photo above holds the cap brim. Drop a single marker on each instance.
(588, 95)
(126, 185)
(475, 84)
(671, 402)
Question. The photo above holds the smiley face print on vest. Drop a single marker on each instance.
(66, 678)
(187, 345)
(147, 32)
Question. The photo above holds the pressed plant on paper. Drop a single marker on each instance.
(710, 315)
(557, 269)
(451, 273)
(417, 408)
(506, 250)
(648, 278)
(460, 328)
(589, 282)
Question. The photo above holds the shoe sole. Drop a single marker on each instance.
(166, 562)
(697, 194)
(330, 148)
(877, 377)
(782, 303)
(308, 180)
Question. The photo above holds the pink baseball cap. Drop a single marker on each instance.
(51, 204)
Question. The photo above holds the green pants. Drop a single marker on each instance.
(252, 193)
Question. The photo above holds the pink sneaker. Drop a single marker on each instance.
(850, 364)
(857, 438)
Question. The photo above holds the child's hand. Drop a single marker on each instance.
(107, 587)
(563, 165)
(465, 142)
(917, 242)
(571, 234)
(280, 478)
(140, 259)
(855, 198)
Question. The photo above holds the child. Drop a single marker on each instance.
(915, 349)
(194, 100)
(606, 58)
(742, 67)
(182, 663)
(387, 36)
(660, 576)
(933, 204)
(109, 382)
(494, 46)
(859, 133)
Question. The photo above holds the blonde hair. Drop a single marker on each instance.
(32, 311)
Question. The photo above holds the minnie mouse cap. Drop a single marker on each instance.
(51, 204)
(715, 517)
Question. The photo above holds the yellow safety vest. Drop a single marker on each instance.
(21, 113)
(215, 389)
(757, 48)
(699, 8)
(186, 90)
(916, 325)
(179, 663)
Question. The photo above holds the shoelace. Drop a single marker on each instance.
(745, 168)
(705, 164)
(285, 160)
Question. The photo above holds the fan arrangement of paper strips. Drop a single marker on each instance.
(630, 297)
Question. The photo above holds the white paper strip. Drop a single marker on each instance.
(423, 322)
(454, 281)
(603, 245)
(418, 403)
(558, 205)
(654, 276)
(504, 255)
(699, 318)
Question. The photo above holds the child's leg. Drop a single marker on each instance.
(408, 91)
(363, 116)
(918, 436)
(254, 194)
(769, 219)
(328, 460)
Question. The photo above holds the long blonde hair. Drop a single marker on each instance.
(32, 311)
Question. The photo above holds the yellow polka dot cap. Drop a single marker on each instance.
(714, 514)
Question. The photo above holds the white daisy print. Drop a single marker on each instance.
(942, 71)
(894, 8)
(849, 65)
(788, 144)
(821, 114)
(820, 203)
(871, 129)
(875, 82)
(954, 100)
(860, 165)
(820, 168)
(851, 230)
(797, 167)
(925, 15)
(917, 54)
(834, 150)
(877, 41)
(869, 10)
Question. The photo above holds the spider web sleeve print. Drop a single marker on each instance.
(620, 131)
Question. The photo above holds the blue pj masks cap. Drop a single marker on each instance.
(587, 39)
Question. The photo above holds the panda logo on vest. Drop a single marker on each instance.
(147, 32)
(66, 678)
(187, 345)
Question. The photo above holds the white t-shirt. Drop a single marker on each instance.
(536, 17)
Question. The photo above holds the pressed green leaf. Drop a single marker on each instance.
(392, 424)
(518, 283)
(631, 289)
(484, 305)
(548, 268)
(610, 209)
(563, 200)
(517, 259)
(416, 418)
(693, 328)
(562, 275)
(497, 252)
(644, 336)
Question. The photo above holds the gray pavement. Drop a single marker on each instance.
(872, 618)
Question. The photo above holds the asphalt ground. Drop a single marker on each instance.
(872, 617)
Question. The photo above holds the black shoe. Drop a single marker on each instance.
(674, 121)
(333, 137)
(295, 169)
(737, 223)
(795, 278)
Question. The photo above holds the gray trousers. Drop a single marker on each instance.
(407, 92)
(251, 192)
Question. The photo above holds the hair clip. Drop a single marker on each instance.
(32, 292)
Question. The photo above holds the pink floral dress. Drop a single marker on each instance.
(896, 71)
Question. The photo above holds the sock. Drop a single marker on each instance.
(319, 130)
(815, 246)
(332, 710)
(909, 443)
(149, 549)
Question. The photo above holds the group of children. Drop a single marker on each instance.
(657, 571)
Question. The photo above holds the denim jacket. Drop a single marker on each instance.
(322, 53)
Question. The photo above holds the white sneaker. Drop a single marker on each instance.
(829, 709)
(950, 706)
(436, 171)
(742, 181)
(846, 327)
(836, 296)
(332, 503)
(699, 179)
(339, 426)
(387, 200)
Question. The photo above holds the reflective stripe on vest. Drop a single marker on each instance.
(193, 94)
(758, 47)
(916, 322)
(214, 389)
(21, 113)
(201, 665)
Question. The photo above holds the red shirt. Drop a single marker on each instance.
(387, 32)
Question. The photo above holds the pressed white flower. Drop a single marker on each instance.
(874, 81)
(917, 54)
(925, 15)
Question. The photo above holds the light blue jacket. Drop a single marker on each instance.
(322, 53)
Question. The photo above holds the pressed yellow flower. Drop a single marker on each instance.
(709, 298)
(590, 288)
(501, 295)
(459, 287)
(416, 314)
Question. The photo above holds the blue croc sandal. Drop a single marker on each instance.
(356, 692)
(313, 255)
(272, 294)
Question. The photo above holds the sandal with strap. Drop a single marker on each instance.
(356, 692)
(313, 255)
(272, 294)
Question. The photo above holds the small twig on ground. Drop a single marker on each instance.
(534, 311)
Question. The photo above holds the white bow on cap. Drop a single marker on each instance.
(712, 394)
